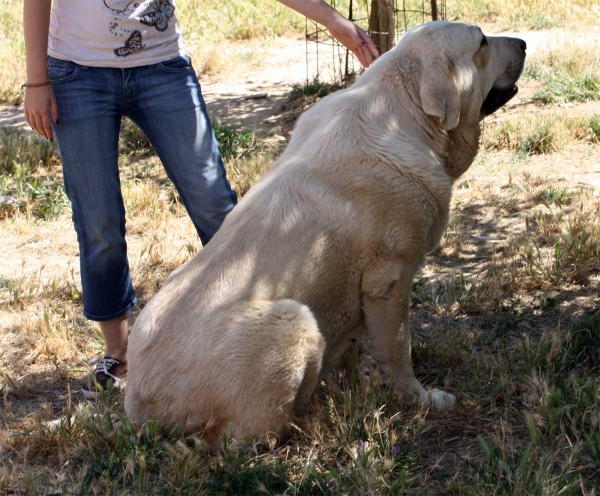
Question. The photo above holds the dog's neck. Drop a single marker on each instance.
(463, 143)
(456, 148)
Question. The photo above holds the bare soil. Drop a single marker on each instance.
(255, 97)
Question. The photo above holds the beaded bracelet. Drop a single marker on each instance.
(35, 85)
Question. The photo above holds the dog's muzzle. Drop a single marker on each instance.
(496, 98)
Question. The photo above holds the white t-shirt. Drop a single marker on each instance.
(114, 33)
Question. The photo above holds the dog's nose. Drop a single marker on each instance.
(522, 45)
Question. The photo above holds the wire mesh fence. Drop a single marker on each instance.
(384, 20)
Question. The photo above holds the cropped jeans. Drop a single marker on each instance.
(164, 100)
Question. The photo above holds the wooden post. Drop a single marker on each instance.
(434, 10)
(382, 25)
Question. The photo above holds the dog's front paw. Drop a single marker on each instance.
(439, 400)
(436, 399)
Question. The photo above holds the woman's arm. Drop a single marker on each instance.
(343, 30)
(40, 103)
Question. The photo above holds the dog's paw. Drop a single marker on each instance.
(439, 400)
(435, 399)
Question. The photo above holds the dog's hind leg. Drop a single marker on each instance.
(312, 372)
(265, 358)
(278, 353)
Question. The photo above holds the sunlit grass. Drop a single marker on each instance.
(528, 14)
(504, 314)
(539, 134)
(567, 74)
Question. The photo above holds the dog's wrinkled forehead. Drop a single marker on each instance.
(453, 39)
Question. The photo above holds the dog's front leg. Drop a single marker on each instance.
(386, 296)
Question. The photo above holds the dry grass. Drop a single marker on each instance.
(505, 314)
(541, 133)
(567, 74)
(209, 27)
(528, 14)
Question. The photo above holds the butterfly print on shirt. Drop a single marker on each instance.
(132, 45)
(126, 8)
(118, 5)
(163, 11)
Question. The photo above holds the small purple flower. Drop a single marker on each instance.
(10, 200)
(329, 482)
(241, 447)
(361, 445)
(396, 450)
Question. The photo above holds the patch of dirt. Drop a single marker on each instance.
(13, 117)
(254, 94)
(255, 97)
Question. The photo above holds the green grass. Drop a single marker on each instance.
(358, 438)
(517, 339)
(132, 141)
(29, 178)
(541, 134)
(538, 141)
(555, 195)
(536, 136)
(569, 74)
(311, 90)
(25, 148)
(235, 143)
(563, 88)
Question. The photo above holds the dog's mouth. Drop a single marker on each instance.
(497, 98)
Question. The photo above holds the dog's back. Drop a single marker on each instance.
(232, 340)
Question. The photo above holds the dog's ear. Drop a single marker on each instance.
(439, 94)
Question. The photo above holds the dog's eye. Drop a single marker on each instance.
(484, 42)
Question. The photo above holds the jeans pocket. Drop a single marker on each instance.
(178, 64)
(61, 70)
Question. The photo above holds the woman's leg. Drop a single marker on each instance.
(90, 105)
(169, 109)
(115, 339)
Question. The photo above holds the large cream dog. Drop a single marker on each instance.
(324, 246)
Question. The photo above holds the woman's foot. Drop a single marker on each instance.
(108, 376)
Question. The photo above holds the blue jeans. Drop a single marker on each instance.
(165, 101)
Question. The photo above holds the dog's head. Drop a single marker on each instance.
(463, 74)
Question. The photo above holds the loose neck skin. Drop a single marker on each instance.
(463, 143)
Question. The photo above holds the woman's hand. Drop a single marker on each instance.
(40, 104)
(343, 30)
(40, 107)
(354, 39)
